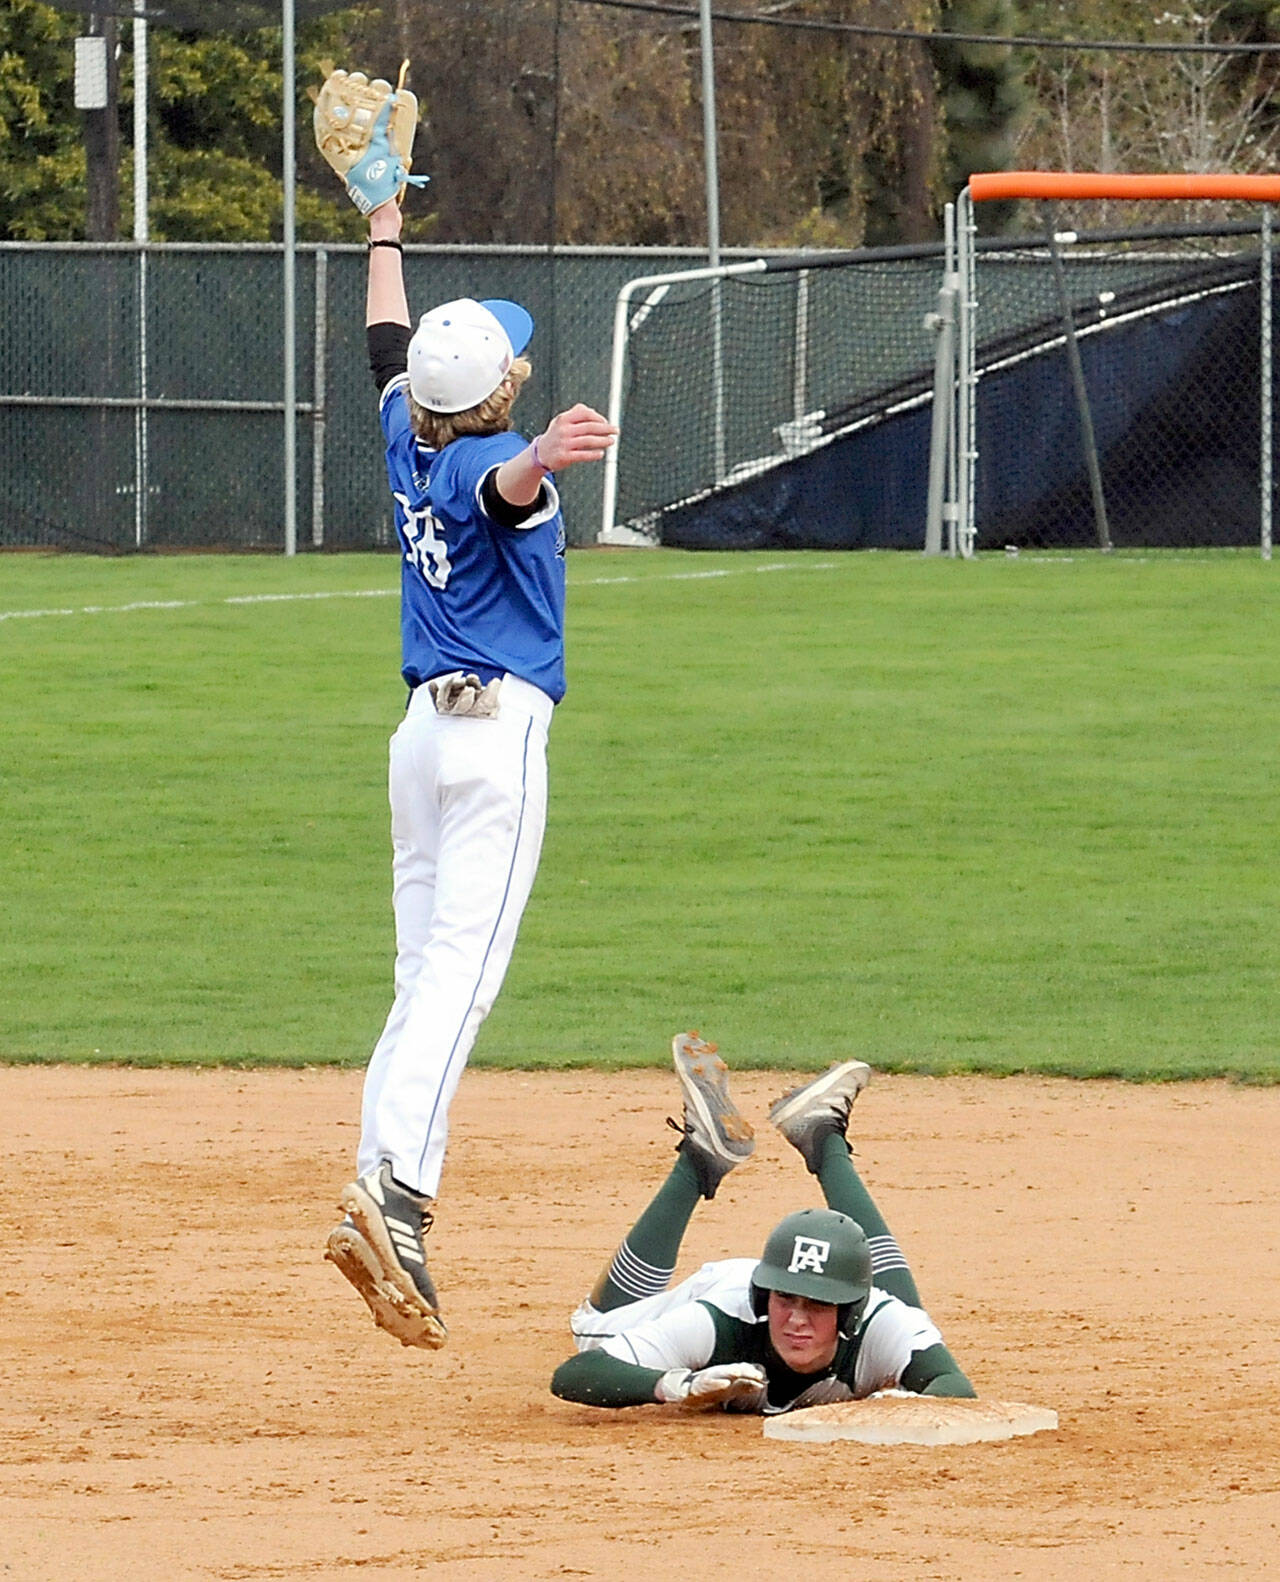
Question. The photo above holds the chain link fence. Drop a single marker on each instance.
(1112, 398)
(141, 393)
(1118, 392)
(1113, 388)
(142, 387)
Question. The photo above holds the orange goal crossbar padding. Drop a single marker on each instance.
(1090, 184)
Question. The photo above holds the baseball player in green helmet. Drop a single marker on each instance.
(828, 1312)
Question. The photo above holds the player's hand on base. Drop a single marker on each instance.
(700, 1388)
(580, 434)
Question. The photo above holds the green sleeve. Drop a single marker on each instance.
(934, 1372)
(594, 1378)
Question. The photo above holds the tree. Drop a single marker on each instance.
(854, 135)
(42, 166)
(214, 153)
(985, 94)
(544, 120)
(824, 138)
(1181, 112)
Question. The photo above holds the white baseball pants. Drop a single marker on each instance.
(468, 809)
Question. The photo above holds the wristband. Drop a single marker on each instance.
(537, 460)
(387, 241)
(673, 1387)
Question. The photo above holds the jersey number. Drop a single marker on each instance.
(427, 549)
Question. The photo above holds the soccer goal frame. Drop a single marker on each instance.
(625, 323)
(951, 525)
(747, 408)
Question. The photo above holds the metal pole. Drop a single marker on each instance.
(1264, 357)
(966, 532)
(141, 235)
(290, 283)
(717, 374)
(1082, 395)
(709, 131)
(609, 505)
(800, 354)
(317, 399)
(943, 324)
(713, 224)
(140, 94)
(941, 437)
(951, 502)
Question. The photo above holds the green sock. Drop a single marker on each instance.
(646, 1260)
(844, 1191)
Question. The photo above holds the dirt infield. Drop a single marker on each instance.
(191, 1392)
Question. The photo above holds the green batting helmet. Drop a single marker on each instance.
(818, 1253)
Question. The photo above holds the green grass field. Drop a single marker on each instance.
(1009, 815)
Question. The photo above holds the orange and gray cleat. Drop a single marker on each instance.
(716, 1136)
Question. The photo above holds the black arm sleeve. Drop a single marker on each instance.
(502, 511)
(388, 352)
(594, 1378)
(934, 1372)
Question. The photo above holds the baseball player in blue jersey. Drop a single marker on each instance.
(482, 633)
(828, 1312)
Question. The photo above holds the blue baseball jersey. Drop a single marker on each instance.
(475, 595)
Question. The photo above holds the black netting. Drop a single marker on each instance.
(793, 409)
(730, 380)
(1169, 339)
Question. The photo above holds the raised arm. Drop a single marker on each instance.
(385, 300)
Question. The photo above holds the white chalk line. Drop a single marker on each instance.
(393, 593)
(716, 571)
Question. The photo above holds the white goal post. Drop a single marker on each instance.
(625, 323)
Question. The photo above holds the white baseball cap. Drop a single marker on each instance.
(461, 351)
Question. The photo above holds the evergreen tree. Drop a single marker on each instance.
(985, 95)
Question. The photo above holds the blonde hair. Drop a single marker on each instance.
(490, 416)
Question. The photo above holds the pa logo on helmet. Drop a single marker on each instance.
(809, 1256)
